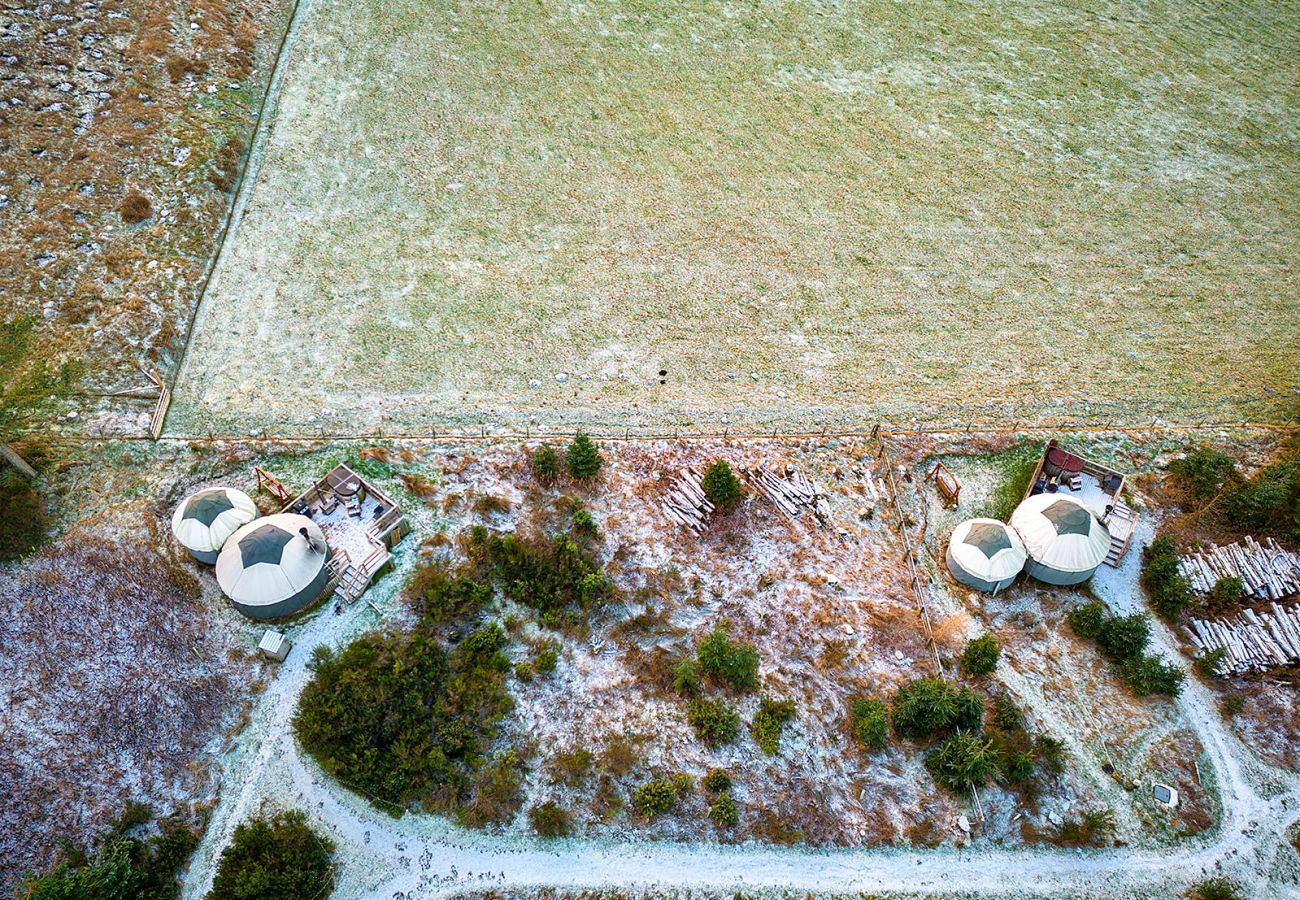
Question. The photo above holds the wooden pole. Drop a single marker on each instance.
(10, 455)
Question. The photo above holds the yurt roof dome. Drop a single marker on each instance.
(205, 520)
(987, 549)
(1060, 532)
(270, 561)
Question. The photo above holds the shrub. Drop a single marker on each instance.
(403, 719)
(733, 663)
(654, 798)
(1203, 471)
(550, 820)
(269, 859)
(769, 721)
(1148, 675)
(1170, 591)
(135, 208)
(723, 810)
(1270, 501)
(498, 789)
(1086, 621)
(1232, 705)
(1123, 638)
(619, 756)
(714, 722)
(123, 866)
(922, 708)
(1018, 767)
(445, 597)
(981, 656)
(1094, 829)
(684, 782)
(1208, 665)
(962, 760)
(1215, 889)
(524, 671)
(547, 658)
(721, 487)
(1005, 713)
(968, 710)
(556, 577)
(547, 464)
(1051, 753)
(870, 723)
(585, 525)
(572, 767)
(23, 519)
(686, 676)
(1226, 595)
(583, 458)
(717, 781)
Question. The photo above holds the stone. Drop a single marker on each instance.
(963, 822)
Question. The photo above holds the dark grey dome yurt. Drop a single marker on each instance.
(270, 569)
(985, 554)
(205, 520)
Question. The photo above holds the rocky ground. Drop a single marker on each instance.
(123, 127)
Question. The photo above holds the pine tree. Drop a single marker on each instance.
(720, 486)
(583, 457)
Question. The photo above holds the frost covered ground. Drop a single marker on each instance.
(803, 213)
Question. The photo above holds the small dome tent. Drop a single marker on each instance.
(985, 554)
(274, 567)
(1065, 542)
(205, 520)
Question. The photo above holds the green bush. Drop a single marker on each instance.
(928, 707)
(1051, 753)
(717, 781)
(1093, 829)
(547, 657)
(402, 719)
(723, 810)
(724, 661)
(684, 782)
(654, 798)
(583, 458)
(585, 525)
(686, 676)
(572, 767)
(721, 486)
(443, 596)
(546, 464)
(769, 721)
(1216, 889)
(962, 760)
(23, 517)
(981, 656)
(1270, 501)
(524, 671)
(1226, 595)
(124, 867)
(1006, 715)
(1148, 675)
(556, 577)
(280, 858)
(1204, 471)
(550, 820)
(1208, 664)
(1123, 638)
(1018, 767)
(1170, 591)
(870, 722)
(714, 722)
(1086, 621)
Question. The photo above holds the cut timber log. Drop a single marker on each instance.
(10, 455)
(1252, 641)
(1267, 571)
(793, 493)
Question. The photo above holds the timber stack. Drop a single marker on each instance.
(793, 493)
(1267, 571)
(686, 503)
(1251, 642)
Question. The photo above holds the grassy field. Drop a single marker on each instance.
(805, 213)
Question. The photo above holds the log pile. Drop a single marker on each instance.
(1251, 642)
(685, 502)
(1267, 571)
(793, 492)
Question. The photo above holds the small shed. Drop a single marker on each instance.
(274, 646)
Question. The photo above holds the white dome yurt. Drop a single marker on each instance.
(274, 567)
(1065, 541)
(205, 520)
(985, 554)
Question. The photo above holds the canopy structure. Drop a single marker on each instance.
(274, 567)
(205, 520)
(1065, 542)
(985, 554)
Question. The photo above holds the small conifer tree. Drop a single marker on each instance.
(583, 457)
(721, 487)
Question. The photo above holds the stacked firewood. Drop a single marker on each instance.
(685, 502)
(793, 492)
(1267, 571)
(1252, 642)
